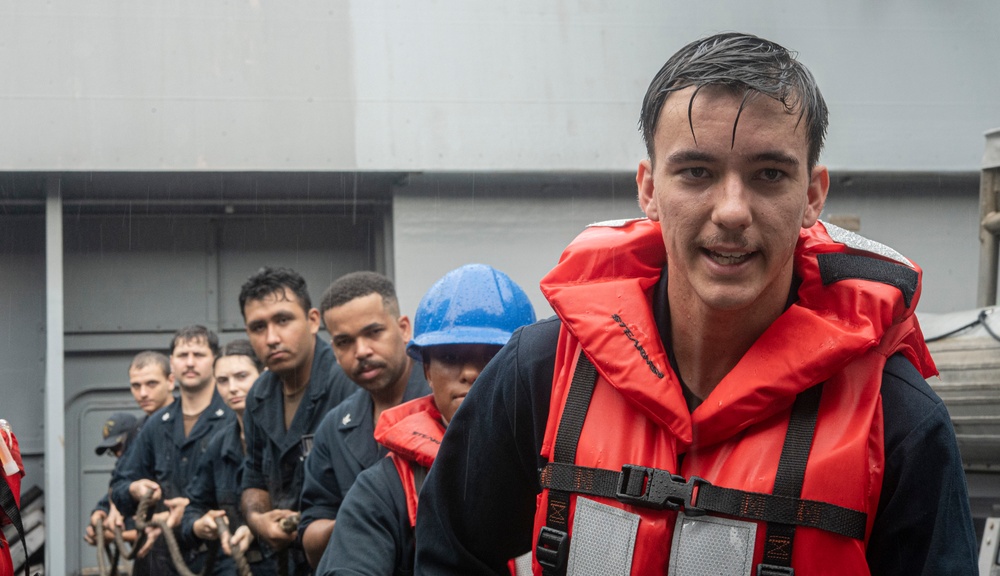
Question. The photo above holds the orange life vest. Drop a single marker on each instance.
(412, 432)
(12, 491)
(839, 332)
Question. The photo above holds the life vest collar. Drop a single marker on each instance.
(602, 290)
(412, 430)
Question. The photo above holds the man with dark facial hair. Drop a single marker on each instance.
(368, 336)
(286, 404)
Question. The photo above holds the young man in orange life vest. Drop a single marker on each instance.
(731, 386)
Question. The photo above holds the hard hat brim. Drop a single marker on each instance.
(457, 335)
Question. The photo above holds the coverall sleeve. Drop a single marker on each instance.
(104, 504)
(137, 464)
(373, 530)
(321, 494)
(253, 476)
(477, 505)
(201, 491)
(923, 525)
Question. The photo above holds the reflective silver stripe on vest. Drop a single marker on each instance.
(708, 546)
(522, 565)
(603, 539)
(859, 242)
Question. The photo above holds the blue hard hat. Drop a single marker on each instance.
(474, 304)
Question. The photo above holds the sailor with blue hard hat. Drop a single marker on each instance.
(460, 324)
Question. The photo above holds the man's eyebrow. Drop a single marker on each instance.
(775, 156)
(685, 156)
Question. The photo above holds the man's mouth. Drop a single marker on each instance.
(729, 258)
(368, 370)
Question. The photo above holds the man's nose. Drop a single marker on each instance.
(731, 208)
(470, 371)
(272, 335)
(363, 348)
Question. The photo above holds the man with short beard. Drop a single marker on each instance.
(165, 452)
(368, 336)
(284, 408)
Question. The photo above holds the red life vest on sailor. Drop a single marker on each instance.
(412, 432)
(839, 333)
(14, 482)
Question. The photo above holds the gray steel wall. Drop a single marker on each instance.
(460, 86)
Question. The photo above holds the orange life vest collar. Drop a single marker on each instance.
(601, 290)
(413, 432)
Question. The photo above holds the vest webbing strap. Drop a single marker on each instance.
(552, 548)
(9, 505)
(661, 490)
(789, 478)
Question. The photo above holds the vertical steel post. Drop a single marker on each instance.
(55, 409)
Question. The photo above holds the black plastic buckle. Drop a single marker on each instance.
(552, 550)
(772, 570)
(658, 489)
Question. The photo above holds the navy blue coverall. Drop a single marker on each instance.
(275, 456)
(216, 486)
(163, 454)
(344, 446)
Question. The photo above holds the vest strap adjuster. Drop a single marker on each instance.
(552, 550)
(658, 489)
(772, 570)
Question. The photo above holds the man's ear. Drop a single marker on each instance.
(314, 320)
(405, 327)
(644, 184)
(819, 185)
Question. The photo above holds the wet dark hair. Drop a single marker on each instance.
(358, 284)
(277, 281)
(743, 64)
(149, 357)
(241, 347)
(196, 333)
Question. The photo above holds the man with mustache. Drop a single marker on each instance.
(169, 445)
(368, 336)
(285, 405)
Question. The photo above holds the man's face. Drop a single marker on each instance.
(150, 387)
(235, 375)
(282, 334)
(191, 363)
(451, 370)
(369, 343)
(730, 211)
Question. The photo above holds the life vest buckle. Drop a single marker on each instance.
(552, 550)
(658, 489)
